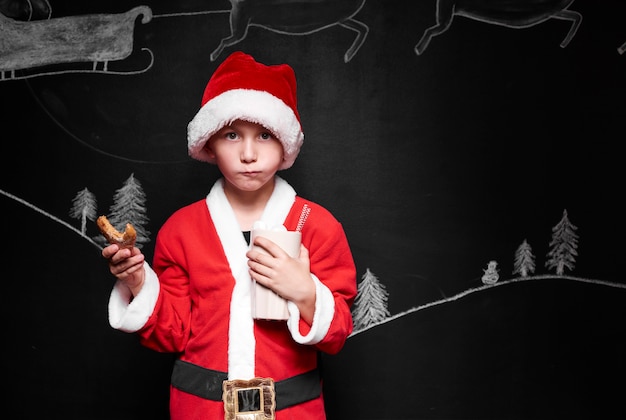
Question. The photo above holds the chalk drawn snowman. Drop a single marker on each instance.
(491, 273)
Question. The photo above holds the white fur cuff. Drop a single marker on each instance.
(324, 312)
(130, 316)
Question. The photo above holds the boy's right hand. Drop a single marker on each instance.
(127, 265)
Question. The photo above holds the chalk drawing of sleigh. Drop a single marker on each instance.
(96, 38)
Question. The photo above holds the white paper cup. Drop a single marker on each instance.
(265, 303)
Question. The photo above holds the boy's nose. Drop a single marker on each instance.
(248, 151)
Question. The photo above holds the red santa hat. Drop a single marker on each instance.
(242, 88)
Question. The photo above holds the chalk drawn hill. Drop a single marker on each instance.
(551, 348)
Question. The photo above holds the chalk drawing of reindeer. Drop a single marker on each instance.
(509, 13)
(26, 10)
(294, 17)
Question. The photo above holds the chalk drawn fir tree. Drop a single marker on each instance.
(524, 263)
(129, 207)
(563, 246)
(370, 305)
(84, 207)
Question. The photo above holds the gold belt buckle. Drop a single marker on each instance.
(253, 399)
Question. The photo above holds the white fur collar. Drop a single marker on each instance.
(241, 342)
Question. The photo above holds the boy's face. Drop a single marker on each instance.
(247, 154)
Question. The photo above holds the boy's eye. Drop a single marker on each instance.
(231, 135)
(266, 136)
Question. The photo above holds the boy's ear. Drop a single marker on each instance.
(209, 149)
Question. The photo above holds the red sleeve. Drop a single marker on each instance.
(332, 263)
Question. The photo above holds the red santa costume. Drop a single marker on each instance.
(196, 299)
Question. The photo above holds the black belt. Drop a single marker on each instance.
(207, 384)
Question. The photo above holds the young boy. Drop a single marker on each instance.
(195, 298)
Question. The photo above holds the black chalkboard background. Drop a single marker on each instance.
(436, 163)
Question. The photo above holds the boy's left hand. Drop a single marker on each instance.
(288, 277)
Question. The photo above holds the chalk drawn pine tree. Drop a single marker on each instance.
(84, 206)
(563, 246)
(524, 263)
(370, 305)
(129, 207)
